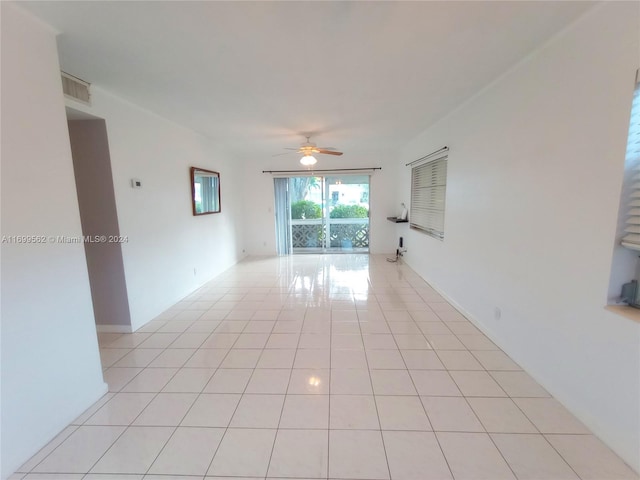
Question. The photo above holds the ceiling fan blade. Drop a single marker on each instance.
(287, 148)
(328, 152)
(278, 154)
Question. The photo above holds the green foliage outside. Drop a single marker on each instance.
(349, 211)
(305, 209)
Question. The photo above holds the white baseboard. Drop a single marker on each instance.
(113, 328)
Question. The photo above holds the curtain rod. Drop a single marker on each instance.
(443, 149)
(330, 170)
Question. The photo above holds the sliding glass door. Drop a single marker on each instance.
(307, 214)
(325, 214)
(347, 213)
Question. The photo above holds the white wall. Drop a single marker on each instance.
(259, 193)
(165, 241)
(535, 171)
(50, 364)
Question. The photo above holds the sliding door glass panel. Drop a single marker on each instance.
(347, 213)
(307, 208)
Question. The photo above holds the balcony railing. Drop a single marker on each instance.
(342, 232)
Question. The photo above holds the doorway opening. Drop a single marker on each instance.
(322, 214)
(99, 219)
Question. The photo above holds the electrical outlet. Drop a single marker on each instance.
(497, 313)
(195, 272)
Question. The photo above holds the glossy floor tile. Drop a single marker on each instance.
(337, 367)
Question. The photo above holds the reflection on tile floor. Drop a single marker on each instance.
(319, 367)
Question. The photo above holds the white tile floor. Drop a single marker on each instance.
(312, 367)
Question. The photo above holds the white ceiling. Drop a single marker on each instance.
(362, 76)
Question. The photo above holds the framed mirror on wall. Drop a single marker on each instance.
(205, 191)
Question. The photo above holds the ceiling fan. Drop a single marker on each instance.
(307, 149)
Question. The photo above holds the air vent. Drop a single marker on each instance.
(75, 88)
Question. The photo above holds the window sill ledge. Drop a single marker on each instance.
(625, 311)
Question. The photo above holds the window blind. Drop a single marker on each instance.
(428, 190)
(631, 238)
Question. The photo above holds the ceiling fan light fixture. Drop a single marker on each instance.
(308, 160)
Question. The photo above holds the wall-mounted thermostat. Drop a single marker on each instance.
(135, 183)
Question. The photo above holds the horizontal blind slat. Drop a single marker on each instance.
(428, 192)
(632, 228)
